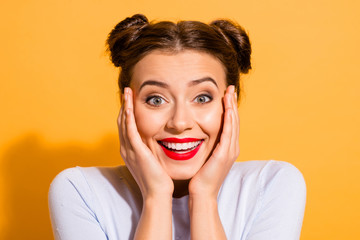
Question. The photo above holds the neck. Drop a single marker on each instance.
(181, 188)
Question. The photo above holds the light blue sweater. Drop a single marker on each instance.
(259, 200)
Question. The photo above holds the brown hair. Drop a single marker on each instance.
(134, 37)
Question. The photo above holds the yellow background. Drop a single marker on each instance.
(59, 101)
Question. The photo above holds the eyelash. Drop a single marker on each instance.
(152, 97)
(149, 98)
(205, 95)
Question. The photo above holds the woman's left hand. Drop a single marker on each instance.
(208, 180)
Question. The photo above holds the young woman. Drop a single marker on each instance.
(179, 131)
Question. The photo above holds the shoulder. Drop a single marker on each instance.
(71, 183)
(263, 180)
(71, 178)
(89, 198)
(279, 176)
(281, 202)
(270, 195)
(70, 175)
(266, 172)
(263, 166)
(279, 187)
(84, 181)
(76, 176)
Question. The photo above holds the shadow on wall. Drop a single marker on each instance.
(30, 164)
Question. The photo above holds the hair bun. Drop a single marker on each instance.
(135, 20)
(239, 40)
(123, 34)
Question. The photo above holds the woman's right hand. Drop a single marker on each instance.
(155, 184)
(150, 176)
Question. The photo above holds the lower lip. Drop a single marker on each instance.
(181, 156)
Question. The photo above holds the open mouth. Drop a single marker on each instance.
(180, 148)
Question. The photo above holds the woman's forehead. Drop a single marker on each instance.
(183, 66)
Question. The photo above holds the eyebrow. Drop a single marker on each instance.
(154, 83)
(165, 85)
(201, 80)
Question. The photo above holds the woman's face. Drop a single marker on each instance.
(178, 108)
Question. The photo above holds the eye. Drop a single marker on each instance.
(155, 101)
(203, 99)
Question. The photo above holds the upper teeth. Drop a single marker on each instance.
(181, 146)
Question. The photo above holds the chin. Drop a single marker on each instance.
(182, 176)
(182, 173)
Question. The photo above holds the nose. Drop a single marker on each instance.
(180, 119)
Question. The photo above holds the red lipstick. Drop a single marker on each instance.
(187, 150)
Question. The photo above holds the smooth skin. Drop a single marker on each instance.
(180, 110)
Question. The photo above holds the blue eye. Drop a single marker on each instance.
(155, 101)
(203, 99)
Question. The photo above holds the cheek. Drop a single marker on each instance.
(210, 120)
(148, 122)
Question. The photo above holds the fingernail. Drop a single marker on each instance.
(126, 96)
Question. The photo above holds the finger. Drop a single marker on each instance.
(234, 135)
(120, 116)
(123, 116)
(225, 137)
(232, 92)
(236, 115)
(226, 134)
(233, 144)
(236, 107)
(123, 121)
(129, 98)
(223, 146)
(228, 120)
(227, 103)
(230, 89)
(120, 112)
(235, 104)
(120, 121)
(236, 126)
(229, 127)
(131, 129)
